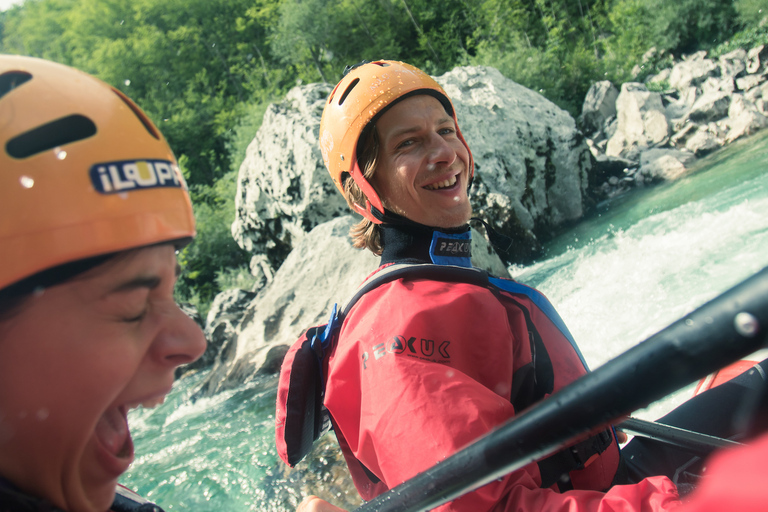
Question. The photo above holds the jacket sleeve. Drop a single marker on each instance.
(734, 480)
(421, 370)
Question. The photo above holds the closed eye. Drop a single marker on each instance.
(137, 318)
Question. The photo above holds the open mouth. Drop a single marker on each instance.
(114, 438)
(442, 184)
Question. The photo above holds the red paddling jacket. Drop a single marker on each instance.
(424, 367)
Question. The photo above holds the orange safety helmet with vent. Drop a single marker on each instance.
(83, 171)
(364, 93)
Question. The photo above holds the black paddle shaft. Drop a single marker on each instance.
(729, 327)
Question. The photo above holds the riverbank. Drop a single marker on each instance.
(654, 131)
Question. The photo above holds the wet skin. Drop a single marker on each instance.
(423, 166)
(73, 360)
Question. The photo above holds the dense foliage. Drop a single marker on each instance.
(204, 70)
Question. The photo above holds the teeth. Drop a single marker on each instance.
(442, 184)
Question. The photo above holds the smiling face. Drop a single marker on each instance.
(73, 360)
(422, 167)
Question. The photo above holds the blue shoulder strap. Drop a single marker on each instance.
(543, 304)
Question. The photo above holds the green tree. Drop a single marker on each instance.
(752, 13)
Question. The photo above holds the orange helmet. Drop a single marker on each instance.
(83, 171)
(362, 95)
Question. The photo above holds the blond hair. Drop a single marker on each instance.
(365, 234)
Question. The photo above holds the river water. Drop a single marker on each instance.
(640, 263)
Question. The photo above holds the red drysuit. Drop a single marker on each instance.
(735, 479)
(422, 368)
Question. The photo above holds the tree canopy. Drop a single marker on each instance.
(202, 69)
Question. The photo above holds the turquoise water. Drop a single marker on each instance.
(633, 268)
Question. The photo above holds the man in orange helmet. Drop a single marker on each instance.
(424, 366)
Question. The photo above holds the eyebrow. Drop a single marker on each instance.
(149, 282)
(412, 129)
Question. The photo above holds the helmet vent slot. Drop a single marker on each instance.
(48, 136)
(11, 80)
(348, 90)
(142, 117)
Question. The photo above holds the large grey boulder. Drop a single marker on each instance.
(599, 106)
(322, 270)
(532, 163)
(531, 166)
(642, 122)
(283, 188)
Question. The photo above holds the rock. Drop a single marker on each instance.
(749, 82)
(713, 84)
(740, 104)
(599, 105)
(677, 110)
(227, 305)
(609, 128)
(747, 123)
(322, 270)
(732, 64)
(641, 122)
(756, 58)
(683, 134)
(210, 353)
(703, 142)
(191, 311)
(665, 164)
(532, 163)
(283, 187)
(692, 72)
(710, 107)
(660, 78)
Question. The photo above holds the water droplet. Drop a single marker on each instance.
(123, 195)
(27, 182)
(342, 158)
(127, 82)
(60, 153)
(688, 322)
(42, 414)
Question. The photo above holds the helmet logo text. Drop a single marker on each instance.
(114, 177)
